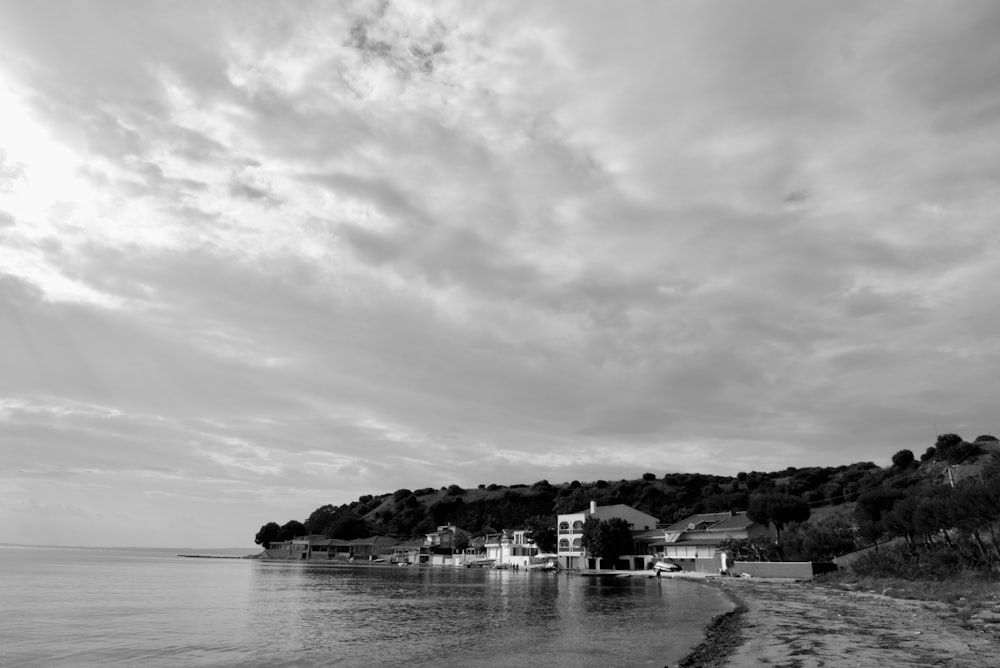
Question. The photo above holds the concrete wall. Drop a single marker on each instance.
(799, 570)
(698, 564)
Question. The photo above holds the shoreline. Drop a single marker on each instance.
(722, 636)
(800, 623)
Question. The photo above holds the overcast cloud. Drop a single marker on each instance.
(259, 257)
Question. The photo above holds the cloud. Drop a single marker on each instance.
(253, 252)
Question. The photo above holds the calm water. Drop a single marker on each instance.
(77, 607)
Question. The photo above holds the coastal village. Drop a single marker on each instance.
(693, 545)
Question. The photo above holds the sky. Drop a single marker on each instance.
(258, 257)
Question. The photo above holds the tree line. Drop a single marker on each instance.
(409, 513)
(783, 498)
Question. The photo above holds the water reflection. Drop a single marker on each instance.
(451, 617)
(125, 608)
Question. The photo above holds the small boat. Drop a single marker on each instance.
(546, 566)
(664, 566)
(480, 563)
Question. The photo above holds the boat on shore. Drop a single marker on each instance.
(664, 566)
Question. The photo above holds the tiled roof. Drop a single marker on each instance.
(737, 521)
(713, 518)
(694, 541)
(373, 540)
(329, 542)
(649, 535)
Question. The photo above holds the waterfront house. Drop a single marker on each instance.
(569, 527)
(693, 543)
(510, 549)
(319, 547)
(442, 540)
(410, 553)
(329, 548)
(297, 548)
(372, 548)
(440, 545)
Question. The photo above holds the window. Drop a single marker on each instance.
(578, 526)
(578, 544)
(563, 545)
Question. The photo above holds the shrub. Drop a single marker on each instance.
(903, 459)
(938, 563)
(885, 563)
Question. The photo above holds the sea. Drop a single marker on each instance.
(62, 606)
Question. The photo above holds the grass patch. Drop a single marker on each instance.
(962, 591)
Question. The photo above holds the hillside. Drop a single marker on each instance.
(412, 513)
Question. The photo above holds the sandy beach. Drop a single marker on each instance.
(799, 625)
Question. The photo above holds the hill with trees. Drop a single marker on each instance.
(819, 512)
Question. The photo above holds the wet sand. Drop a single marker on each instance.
(791, 624)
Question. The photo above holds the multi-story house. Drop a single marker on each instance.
(569, 527)
(441, 541)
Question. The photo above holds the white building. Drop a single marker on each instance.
(510, 549)
(569, 527)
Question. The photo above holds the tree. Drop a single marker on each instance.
(320, 519)
(871, 510)
(948, 440)
(758, 548)
(948, 447)
(718, 503)
(607, 539)
(903, 459)
(817, 542)
(292, 529)
(267, 535)
(777, 509)
(347, 525)
(543, 532)
(460, 541)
